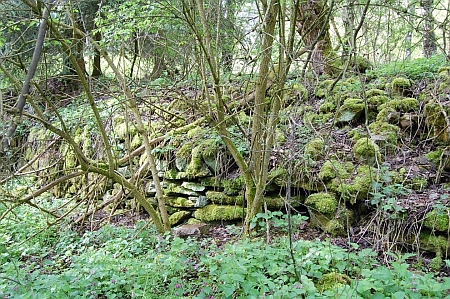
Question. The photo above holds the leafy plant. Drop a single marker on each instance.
(420, 68)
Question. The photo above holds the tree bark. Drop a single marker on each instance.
(313, 26)
(26, 84)
(429, 37)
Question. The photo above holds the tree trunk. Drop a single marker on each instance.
(313, 26)
(97, 68)
(429, 37)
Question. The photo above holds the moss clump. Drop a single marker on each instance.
(400, 85)
(197, 132)
(359, 187)
(124, 130)
(196, 167)
(315, 148)
(434, 243)
(332, 169)
(233, 186)
(444, 72)
(438, 220)
(401, 105)
(332, 281)
(375, 92)
(300, 91)
(180, 202)
(434, 156)
(324, 203)
(323, 88)
(219, 212)
(351, 110)
(366, 151)
(437, 262)
(387, 133)
(435, 119)
(178, 217)
(222, 199)
(327, 107)
(387, 114)
(376, 101)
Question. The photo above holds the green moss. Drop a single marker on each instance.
(388, 134)
(434, 156)
(418, 183)
(196, 132)
(435, 119)
(437, 262)
(366, 151)
(335, 228)
(400, 85)
(359, 187)
(196, 167)
(315, 148)
(356, 134)
(219, 212)
(444, 72)
(222, 199)
(233, 186)
(332, 281)
(332, 169)
(375, 92)
(385, 113)
(401, 105)
(376, 101)
(185, 151)
(311, 118)
(180, 202)
(351, 110)
(434, 243)
(178, 217)
(327, 107)
(438, 220)
(325, 203)
(124, 130)
(323, 88)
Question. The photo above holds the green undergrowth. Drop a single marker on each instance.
(417, 69)
(120, 262)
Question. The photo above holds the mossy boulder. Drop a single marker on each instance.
(438, 220)
(233, 186)
(334, 169)
(440, 158)
(332, 281)
(375, 92)
(322, 202)
(433, 243)
(359, 187)
(401, 105)
(444, 72)
(327, 107)
(350, 111)
(221, 198)
(376, 101)
(400, 85)
(315, 148)
(180, 202)
(386, 134)
(219, 212)
(171, 189)
(178, 217)
(366, 151)
(436, 119)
